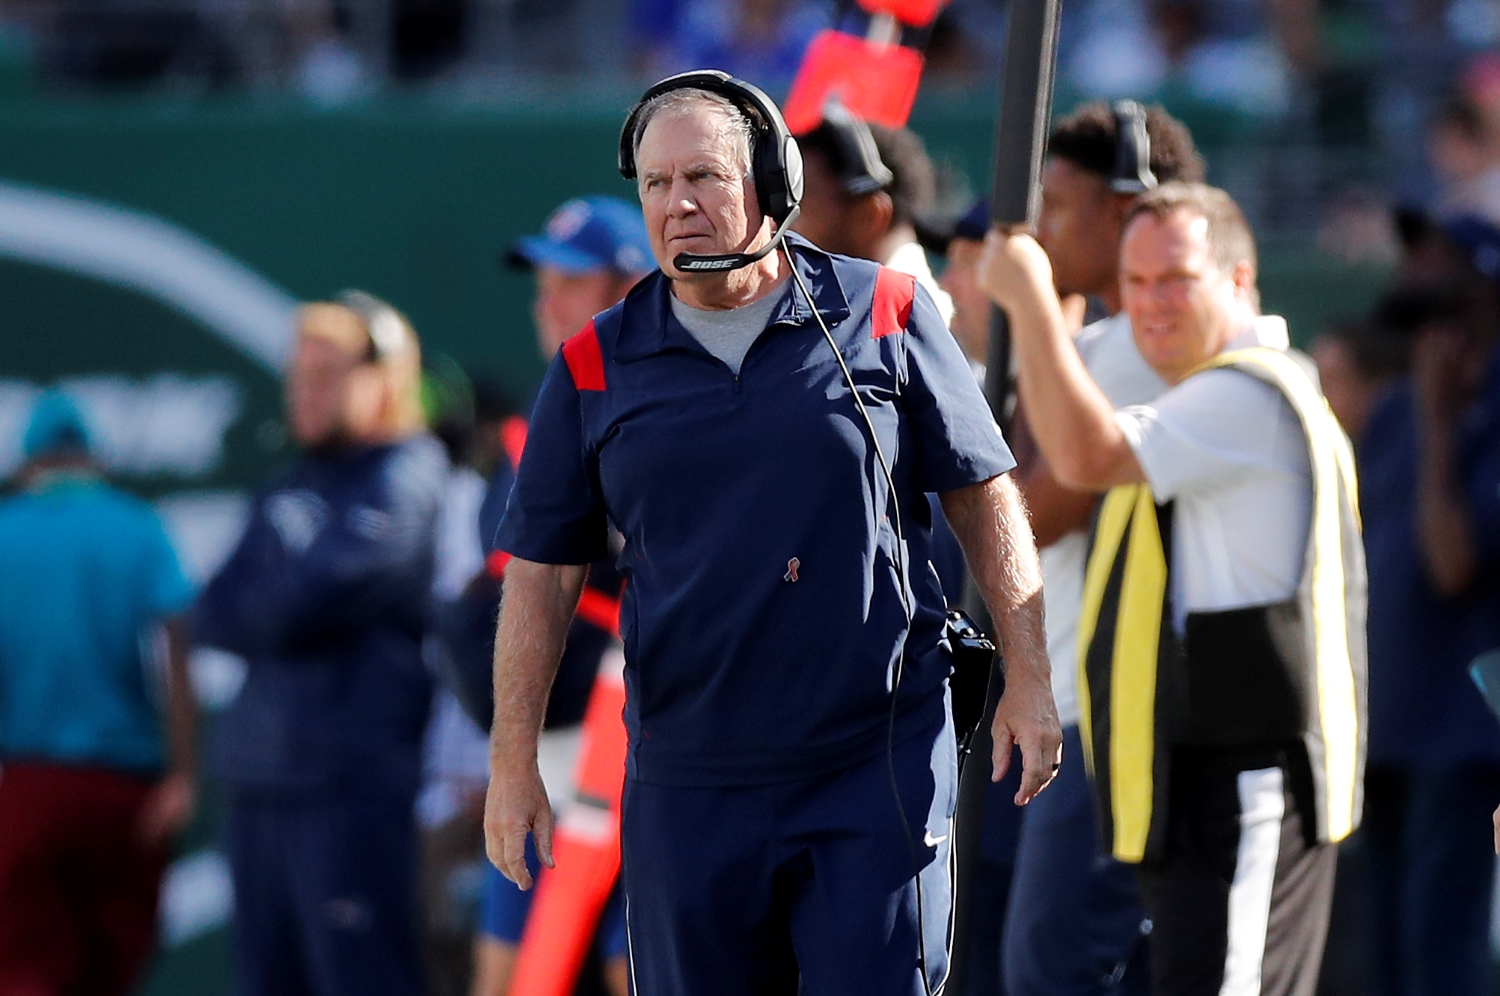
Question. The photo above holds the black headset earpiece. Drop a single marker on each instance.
(383, 323)
(775, 160)
(1132, 173)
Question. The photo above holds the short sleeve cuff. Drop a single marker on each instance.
(963, 470)
(1139, 425)
(553, 547)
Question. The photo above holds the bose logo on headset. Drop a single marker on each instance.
(775, 160)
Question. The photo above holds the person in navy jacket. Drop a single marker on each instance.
(326, 598)
(791, 773)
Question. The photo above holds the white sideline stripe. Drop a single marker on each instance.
(151, 256)
(1262, 807)
(635, 986)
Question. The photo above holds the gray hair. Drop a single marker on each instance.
(741, 128)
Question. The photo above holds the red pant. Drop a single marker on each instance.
(78, 891)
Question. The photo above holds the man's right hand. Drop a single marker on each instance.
(1016, 273)
(516, 805)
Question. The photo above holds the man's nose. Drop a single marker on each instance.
(1159, 293)
(681, 202)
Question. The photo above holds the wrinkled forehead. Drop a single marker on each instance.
(692, 130)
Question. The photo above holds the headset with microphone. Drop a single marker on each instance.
(775, 160)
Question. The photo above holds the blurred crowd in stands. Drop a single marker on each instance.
(1255, 58)
(1322, 97)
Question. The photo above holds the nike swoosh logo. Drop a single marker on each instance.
(929, 840)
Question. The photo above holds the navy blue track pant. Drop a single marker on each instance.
(325, 895)
(740, 891)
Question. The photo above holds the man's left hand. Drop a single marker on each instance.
(1027, 717)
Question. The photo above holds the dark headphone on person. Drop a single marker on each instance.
(775, 159)
(1132, 173)
(860, 168)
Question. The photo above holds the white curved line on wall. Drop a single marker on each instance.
(155, 258)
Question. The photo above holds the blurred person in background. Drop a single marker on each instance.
(1464, 147)
(589, 254)
(1430, 495)
(752, 39)
(1076, 924)
(1357, 363)
(865, 188)
(455, 754)
(326, 597)
(961, 242)
(92, 791)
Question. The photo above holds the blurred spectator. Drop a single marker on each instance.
(1233, 53)
(1356, 228)
(590, 253)
(326, 598)
(865, 186)
(961, 247)
(455, 754)
(325, 66)
(1356, 364)
(86, 814)
(1430, 492)
(1464, 146)
(758, 40)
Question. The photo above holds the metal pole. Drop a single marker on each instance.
(1015, 198)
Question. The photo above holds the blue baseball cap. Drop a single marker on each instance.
(935, 234)
(588, 233)
(974, 224)
(56, 427)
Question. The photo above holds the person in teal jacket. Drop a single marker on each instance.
(91, 790)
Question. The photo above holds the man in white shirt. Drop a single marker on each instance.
(1262, 740)
(1076, 926)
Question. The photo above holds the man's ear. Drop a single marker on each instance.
(871, 217)
(1244, 277)
(883, 211)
